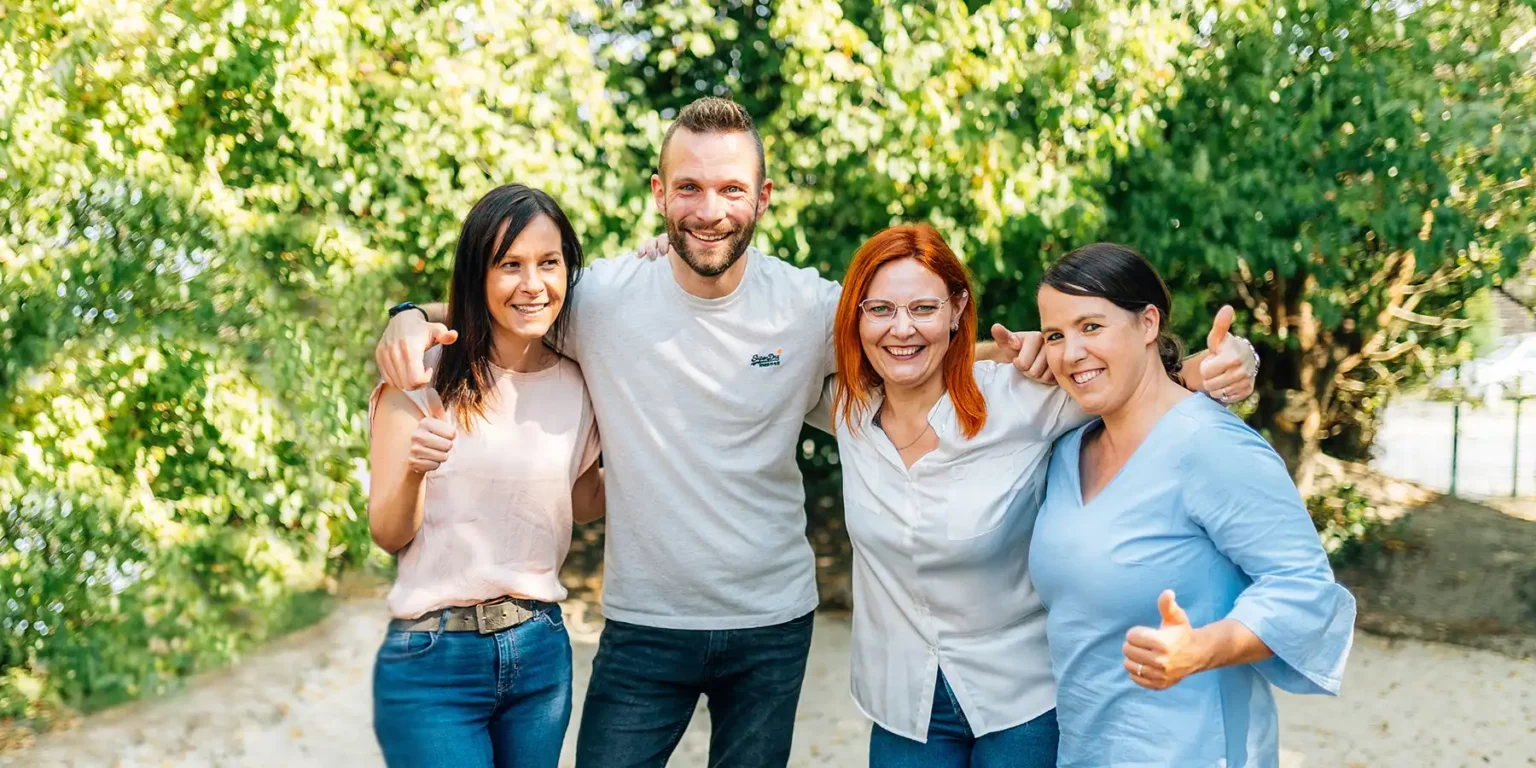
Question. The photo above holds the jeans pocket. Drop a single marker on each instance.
(404, 646)
(551, 618)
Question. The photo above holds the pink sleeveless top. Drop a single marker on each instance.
(497, 517)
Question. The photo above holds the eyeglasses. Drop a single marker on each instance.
(923, 310)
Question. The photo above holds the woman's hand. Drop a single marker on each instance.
(1025, 350)
(1229, 368)
(1160, 658)
(654, 248)
(433, 438)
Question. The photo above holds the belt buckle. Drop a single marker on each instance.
(518, 615)
(480, 627)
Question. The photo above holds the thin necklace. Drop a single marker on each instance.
(920, 435)
(899, 448)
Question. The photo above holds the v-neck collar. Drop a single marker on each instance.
(887, 449)
(1075, 464)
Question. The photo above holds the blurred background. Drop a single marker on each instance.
(207, 205)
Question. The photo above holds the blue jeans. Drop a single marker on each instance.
(952, 745)
(647, 681)
(470, 700)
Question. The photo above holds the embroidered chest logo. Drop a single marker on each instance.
(767, 361)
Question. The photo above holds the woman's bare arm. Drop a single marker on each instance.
(589, 498)
(404, 447)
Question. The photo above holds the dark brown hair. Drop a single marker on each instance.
(714, 115)
(1123, 277)
(464, 374)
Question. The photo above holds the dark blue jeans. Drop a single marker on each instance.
(952, 745)
(470, 700)
(647, 681)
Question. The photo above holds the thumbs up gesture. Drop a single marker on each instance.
(1160, 658)
(433, 438)
(1026, 350)
(1230, 366)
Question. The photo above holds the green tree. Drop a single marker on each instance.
(1352, 174)
(206, 206)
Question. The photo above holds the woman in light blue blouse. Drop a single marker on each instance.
(1181, 574)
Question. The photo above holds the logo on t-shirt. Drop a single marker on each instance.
(767, 361)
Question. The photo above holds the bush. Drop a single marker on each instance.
(1349, 524)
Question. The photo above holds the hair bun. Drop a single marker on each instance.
(1171, 352)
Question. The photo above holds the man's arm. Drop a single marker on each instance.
(405, 342)
(437, 312)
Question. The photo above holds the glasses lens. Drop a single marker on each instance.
(924, 309)
(879, 309)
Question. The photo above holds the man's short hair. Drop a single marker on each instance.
(714, 115)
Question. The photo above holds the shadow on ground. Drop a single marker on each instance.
(1465, 573)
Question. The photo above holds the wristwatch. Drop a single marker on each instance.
(403, 306)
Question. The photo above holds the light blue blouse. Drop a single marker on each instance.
(1203, 507)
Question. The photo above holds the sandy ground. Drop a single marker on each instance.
(305, 702)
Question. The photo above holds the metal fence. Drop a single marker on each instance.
(1471, 449)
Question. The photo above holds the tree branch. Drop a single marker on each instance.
(1434, 322)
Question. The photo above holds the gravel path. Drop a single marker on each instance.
(305, 702)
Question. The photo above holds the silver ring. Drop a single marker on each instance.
(1225, 395)
(1138, 670)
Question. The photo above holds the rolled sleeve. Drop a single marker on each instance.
(1043, 411)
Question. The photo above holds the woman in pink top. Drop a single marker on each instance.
(475, 483)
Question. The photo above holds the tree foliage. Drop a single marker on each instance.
(1351, 177)
(208, 203)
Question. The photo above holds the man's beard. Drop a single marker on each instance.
(734, 247)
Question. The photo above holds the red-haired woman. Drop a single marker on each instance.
(943, 471)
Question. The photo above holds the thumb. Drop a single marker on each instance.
(435, 407)
(1004, 337)
(1169, 608)
(1219, 328)
(441, 334)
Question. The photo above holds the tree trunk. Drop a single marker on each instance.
(1322, 384)
(1291, 395)
(1351, 438)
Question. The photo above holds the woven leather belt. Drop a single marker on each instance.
(484, 618)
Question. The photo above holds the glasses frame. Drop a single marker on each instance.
(864, 308)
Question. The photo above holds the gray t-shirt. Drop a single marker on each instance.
(700, 404)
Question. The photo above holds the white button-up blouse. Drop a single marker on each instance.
(941, 566)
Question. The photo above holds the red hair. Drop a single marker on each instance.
(856, 377)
